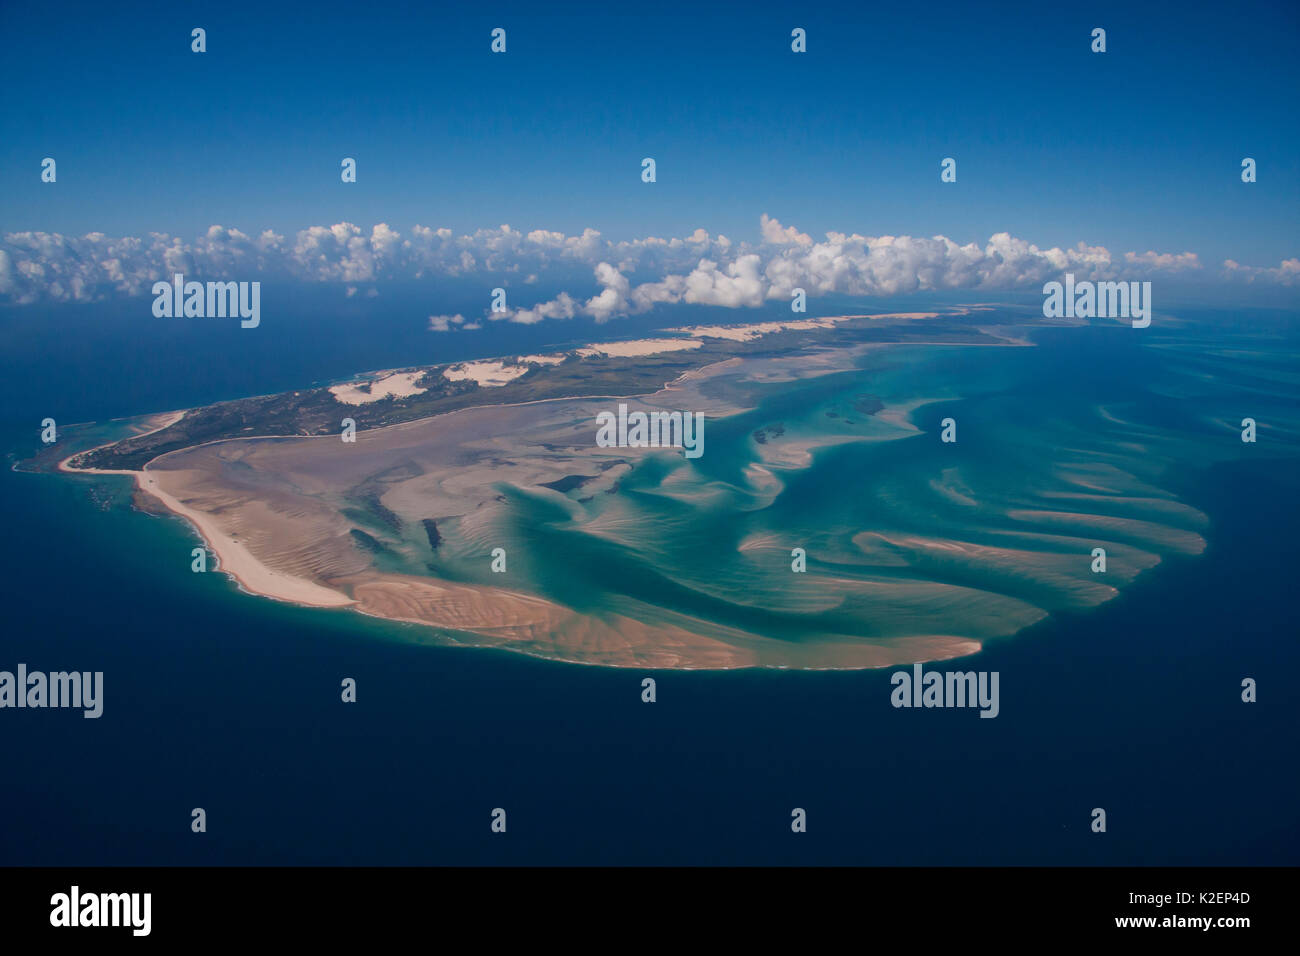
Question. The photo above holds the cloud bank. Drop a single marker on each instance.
(632, 276)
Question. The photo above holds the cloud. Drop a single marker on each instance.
(443, 323)
(1287, 272)
(774, 235)
(631, 277)
(561, 307)
(1164, 261)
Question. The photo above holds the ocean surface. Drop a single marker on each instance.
(230, 702)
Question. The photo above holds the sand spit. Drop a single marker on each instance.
(233, 557)
(236, 559)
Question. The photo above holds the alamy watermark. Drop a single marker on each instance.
(212, 299)
(946, 689)
(1102, 300)
(75, 908)
(57, 689)
(683, 430)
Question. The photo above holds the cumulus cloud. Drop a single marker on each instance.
(444, 323)
(562, 307)
(774, 235)
(631, 277)
(1286, 273)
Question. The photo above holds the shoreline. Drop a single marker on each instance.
(233, 558)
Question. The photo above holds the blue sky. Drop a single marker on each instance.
(1136, 149)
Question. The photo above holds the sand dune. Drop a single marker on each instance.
(639, 347)
(395, 385)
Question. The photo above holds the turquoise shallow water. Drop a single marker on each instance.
(218, 699)
(1083, 441)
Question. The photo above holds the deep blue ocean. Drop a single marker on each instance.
(220, 700)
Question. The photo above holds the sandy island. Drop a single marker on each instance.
(274, 510)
